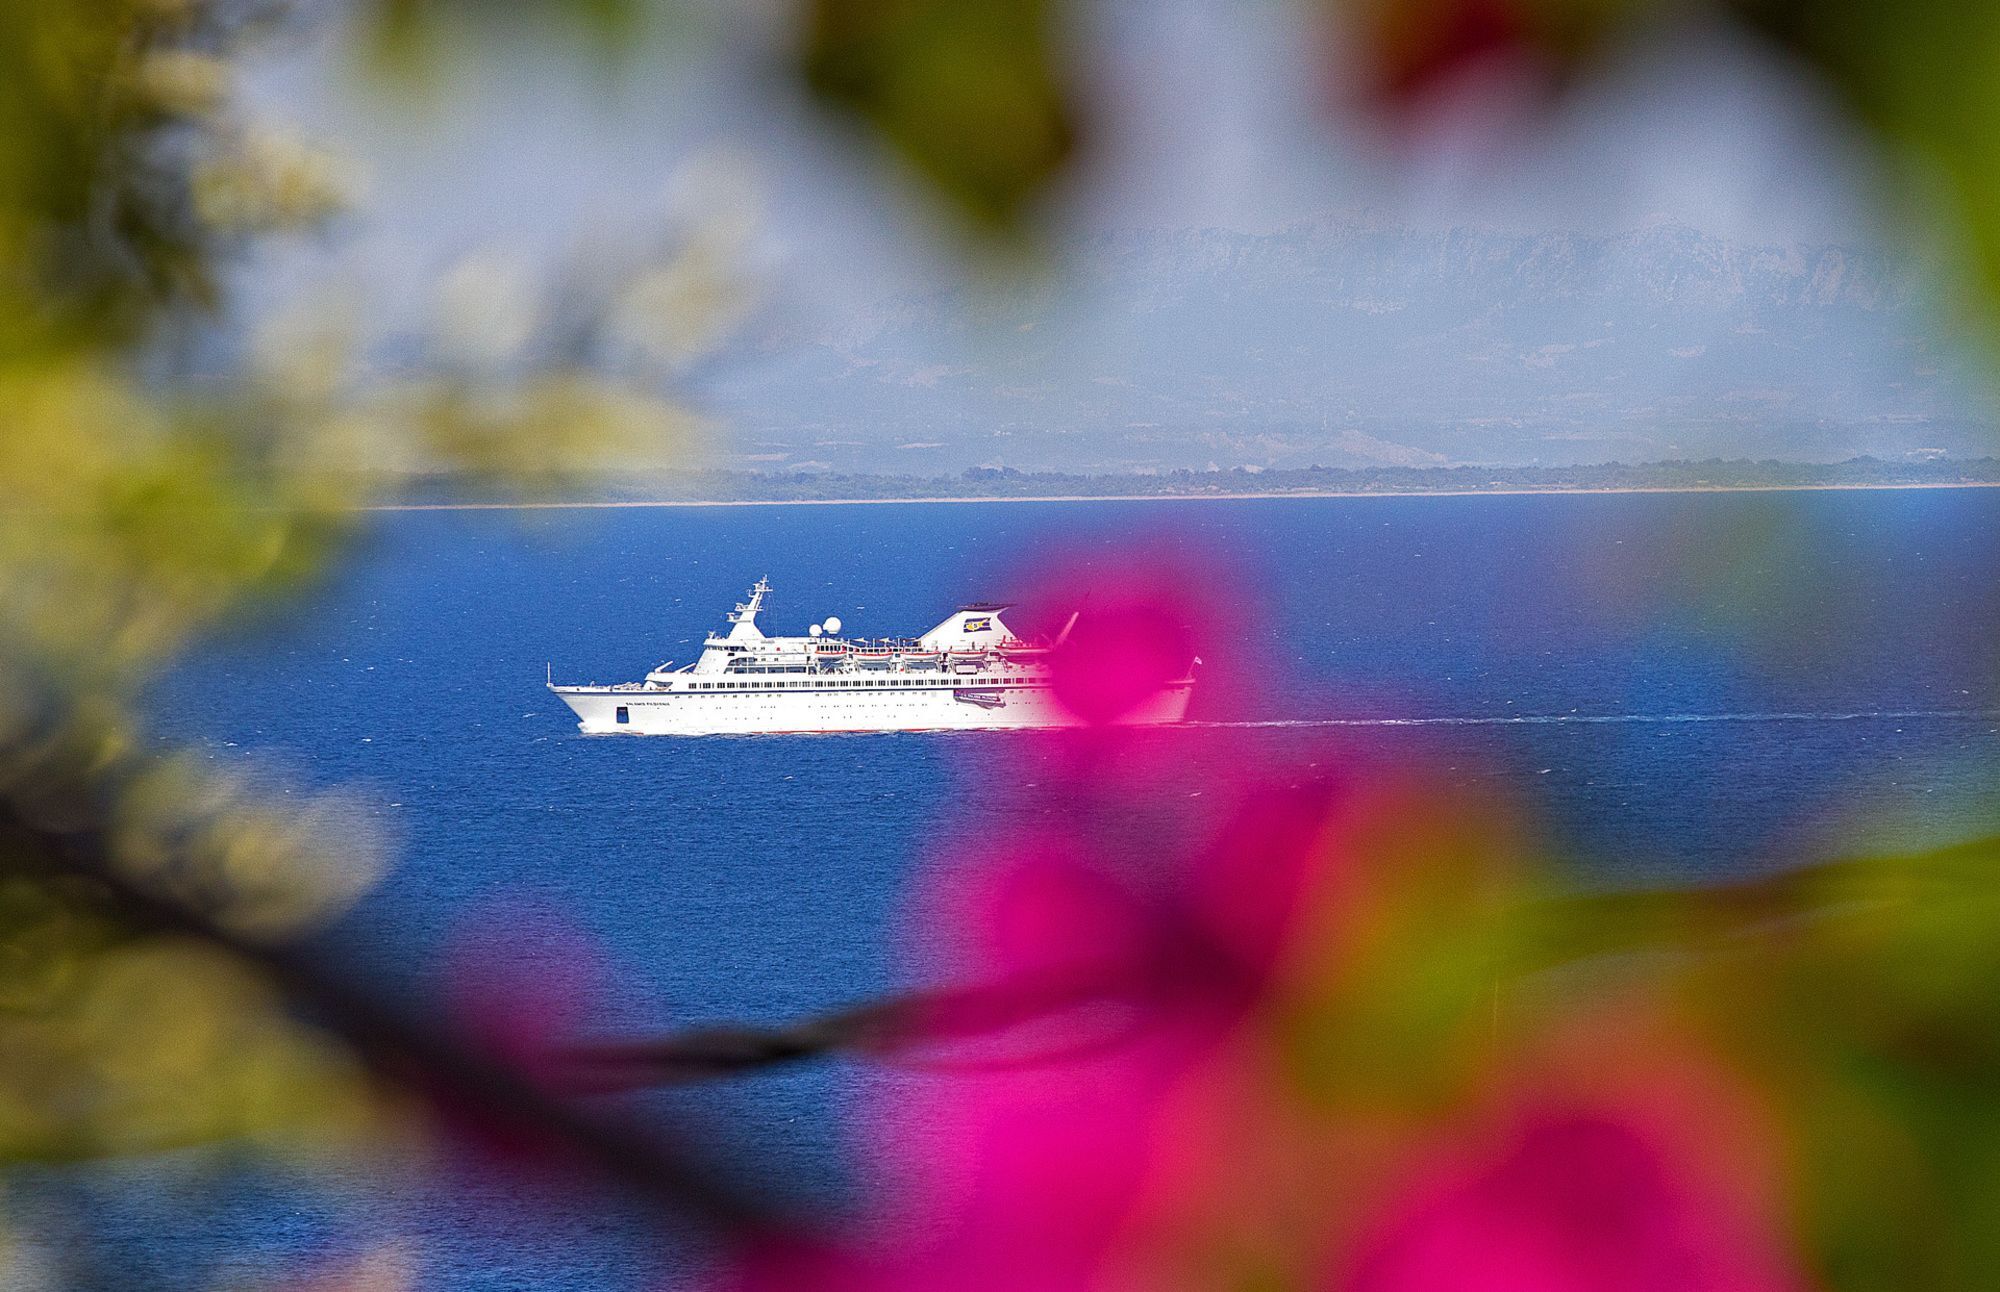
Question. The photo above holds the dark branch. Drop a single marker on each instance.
(400, 1047)
(889, 1027)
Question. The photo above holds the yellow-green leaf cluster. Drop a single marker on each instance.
(971, 96)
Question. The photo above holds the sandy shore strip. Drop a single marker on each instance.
(627, 504)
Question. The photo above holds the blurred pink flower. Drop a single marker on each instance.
(1018, 1166)
(1118, 657)
(1140, 623)
(1277, 871)
(1579, 1198)
(1175, 911)
(776, 1264)
(1034, 1163)
(1429, 45)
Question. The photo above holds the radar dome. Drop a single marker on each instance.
(813, 631)
(833, 623)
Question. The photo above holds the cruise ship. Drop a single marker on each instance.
(968, 673)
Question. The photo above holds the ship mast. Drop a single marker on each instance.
(743, 619)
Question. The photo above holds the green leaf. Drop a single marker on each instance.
(967, 94)
(1922, 75)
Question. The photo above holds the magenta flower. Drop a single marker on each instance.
(1573, 1201)
(1123, 1109)
(1118, 657)
(1137, 629)
(1141, 928)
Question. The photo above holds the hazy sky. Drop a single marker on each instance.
(1207, 113)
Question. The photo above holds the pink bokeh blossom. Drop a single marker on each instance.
(1181, 903)
(1572, 1200)
(1040, 1160)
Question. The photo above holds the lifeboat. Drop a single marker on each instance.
(874, 656)
(1019, 652)
(920, 658)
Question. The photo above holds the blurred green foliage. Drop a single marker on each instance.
(971, 96)
(1868, 1007)
(103, 108)
(409, 39)
(1921, 76)
(138, 510)
(131, 517)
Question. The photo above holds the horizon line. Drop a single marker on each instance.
(1238, 496)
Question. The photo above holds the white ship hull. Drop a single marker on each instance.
(931, 705)
(970, 673)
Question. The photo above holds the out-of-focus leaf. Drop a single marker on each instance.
(267, 182)
(1926, 75)
(1863, 999)
(126, 523)
(542, 434)
(1397, 1008)
(409, 36)
(90, 227)
(158, 1043)
(138, 509)
(968, 94)
(109, 112)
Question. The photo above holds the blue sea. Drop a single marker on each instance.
(1682, 687)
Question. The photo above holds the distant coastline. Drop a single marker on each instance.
(635, 503)
(701, 488)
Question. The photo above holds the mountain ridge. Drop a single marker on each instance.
(1355, 344)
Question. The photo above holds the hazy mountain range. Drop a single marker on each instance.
(1344, 345)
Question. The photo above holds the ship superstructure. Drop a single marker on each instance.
(970, 672)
